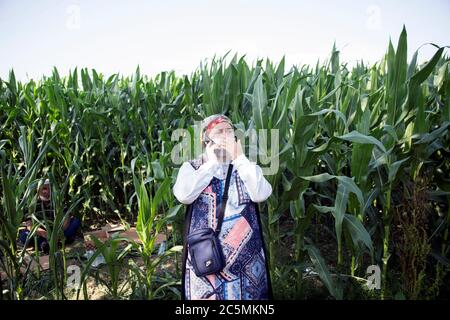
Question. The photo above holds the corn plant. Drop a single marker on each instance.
(149, 224)
(18, 188)
(114, 254)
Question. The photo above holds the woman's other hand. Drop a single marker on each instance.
(233, 147)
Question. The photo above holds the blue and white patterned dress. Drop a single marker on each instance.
(246, 275)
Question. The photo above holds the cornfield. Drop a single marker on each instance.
(363, 178)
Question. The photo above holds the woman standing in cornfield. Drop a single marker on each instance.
(201, 184)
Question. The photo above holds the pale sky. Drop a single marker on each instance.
(116, 36)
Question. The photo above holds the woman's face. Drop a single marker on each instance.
(221, 132)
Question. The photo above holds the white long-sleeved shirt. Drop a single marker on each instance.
(190, 182)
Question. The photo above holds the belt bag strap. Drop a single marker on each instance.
(224, 200)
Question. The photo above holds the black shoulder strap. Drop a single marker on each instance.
(224, 199)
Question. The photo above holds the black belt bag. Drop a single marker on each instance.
(204, 245)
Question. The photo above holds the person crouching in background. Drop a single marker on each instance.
(44, 211)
